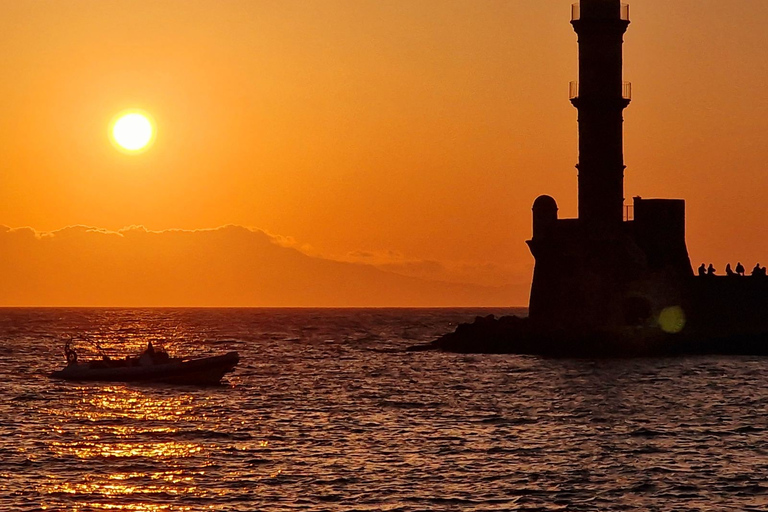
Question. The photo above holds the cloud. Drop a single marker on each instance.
(415, 267)
(226, 266)
(487, 274)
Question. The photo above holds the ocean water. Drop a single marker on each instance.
(327, 411)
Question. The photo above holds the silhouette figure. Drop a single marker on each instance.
(728, 270)
(757, 270)
(739, 269)
(711, 270)
(155, 355)
(70, 353)
(703, 270)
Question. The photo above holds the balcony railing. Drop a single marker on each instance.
(576, 12)
(626, 90)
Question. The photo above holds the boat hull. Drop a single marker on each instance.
(208, 370)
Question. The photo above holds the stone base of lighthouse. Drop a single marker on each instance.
(626, 295)
(585, 280)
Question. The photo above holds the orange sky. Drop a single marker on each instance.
(410, 134)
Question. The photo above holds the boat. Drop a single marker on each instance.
(153, 365)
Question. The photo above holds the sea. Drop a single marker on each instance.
(328, 411)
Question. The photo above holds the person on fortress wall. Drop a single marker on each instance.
(711, 270)
(703, 270)
(728, 270)
(739, 269)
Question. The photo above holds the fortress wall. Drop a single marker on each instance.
(726, 305)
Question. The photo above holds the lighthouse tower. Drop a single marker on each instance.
(600, 96)
(599, 270)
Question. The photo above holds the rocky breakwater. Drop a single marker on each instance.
(516, 335)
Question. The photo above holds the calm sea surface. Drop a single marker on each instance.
(326, 411)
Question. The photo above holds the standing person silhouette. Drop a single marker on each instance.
(711, 270)
(756, 270)
(728, 270)
(739, 269)
(703, 270)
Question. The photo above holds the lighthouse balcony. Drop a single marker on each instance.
(573, 90)
(577, 13)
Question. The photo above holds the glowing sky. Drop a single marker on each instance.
(410, 134)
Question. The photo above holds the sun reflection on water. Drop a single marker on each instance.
(131, 507)
(111, 490)
(117, 450)
(132, 440)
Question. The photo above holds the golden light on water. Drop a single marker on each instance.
(159, 450)
(133, 131)
(132, 507)
(138, 438)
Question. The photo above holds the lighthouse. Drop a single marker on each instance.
(599, 270)
(600, 95)
(604, 285)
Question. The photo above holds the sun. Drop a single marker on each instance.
(133, 131)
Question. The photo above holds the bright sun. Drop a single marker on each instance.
(133, 131)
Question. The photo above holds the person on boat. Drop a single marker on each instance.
(702, 270)
(152, 355)
(70, 354)
(147, 357)
(739, 269)
(161, 356)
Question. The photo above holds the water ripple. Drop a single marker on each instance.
(327, 411)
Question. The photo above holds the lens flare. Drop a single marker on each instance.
(672, 319)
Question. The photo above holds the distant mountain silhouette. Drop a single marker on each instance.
(227, 266)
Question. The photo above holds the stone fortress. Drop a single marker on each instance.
(608, 285)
